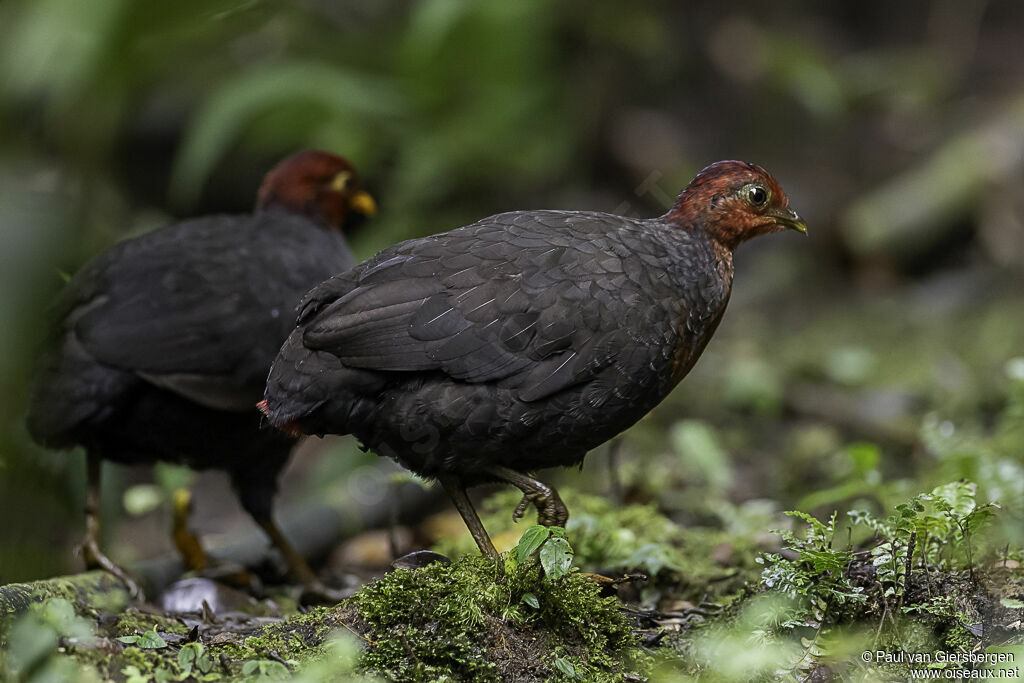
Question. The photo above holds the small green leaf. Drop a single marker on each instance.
(1005, 602)
(129, 640)
(205, 664)
(151, 640)
(957, 497)
(531, 600)
(142, 498)
(565, 667)
(531, 540)
(556, 558)
(265, 667)
(192, 656)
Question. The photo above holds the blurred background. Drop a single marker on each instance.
(879, 357)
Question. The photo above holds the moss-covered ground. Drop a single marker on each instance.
(904, 461)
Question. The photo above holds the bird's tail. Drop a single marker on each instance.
(289, 427)
(69, 389)
(300, 382)
(310, 391)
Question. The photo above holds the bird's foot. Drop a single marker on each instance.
(187, 543)
(551, 511)
(96, 559)
(520, 510)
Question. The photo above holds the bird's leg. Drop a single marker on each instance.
(256, 488)
(187, 543)
(312, 589)
(457, 492)
(551, 511)
(90, 548)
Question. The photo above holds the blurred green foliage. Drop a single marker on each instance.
(880, 120)
(30, 644)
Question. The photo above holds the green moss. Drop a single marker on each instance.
(133, 622)
(300, 640)
(464, 621)
(298, 637)
(99, 590)
(608, 537)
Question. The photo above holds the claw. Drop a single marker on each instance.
(520, 510)
(551, 511)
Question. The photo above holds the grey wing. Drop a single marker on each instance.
(506, 300)
(202, 308)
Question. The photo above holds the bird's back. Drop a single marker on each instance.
(195, 310)
(524, 339)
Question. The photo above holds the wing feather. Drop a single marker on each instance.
(505, 300)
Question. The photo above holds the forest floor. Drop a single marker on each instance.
(893, 433)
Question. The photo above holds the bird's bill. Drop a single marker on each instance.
(791, 219)
(363, 203)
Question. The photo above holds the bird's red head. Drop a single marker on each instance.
(316, 184)
(734, 201)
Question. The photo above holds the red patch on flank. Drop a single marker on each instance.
(290, 427)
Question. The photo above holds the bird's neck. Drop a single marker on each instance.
(703, 269)
(723, 261)
(325, 214)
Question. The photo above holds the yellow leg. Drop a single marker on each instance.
(185, 541)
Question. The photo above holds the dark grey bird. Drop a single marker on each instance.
(160, 346)
(521, 341)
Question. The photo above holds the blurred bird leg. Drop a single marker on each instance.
(312, 589)
(457, 492)
(551, 511)
(90, 548)
(185, 541)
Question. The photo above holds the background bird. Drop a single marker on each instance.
(161, 345)
(523, 340)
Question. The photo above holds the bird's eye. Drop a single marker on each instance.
(339, 182)
(757, 195)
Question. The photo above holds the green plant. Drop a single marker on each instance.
(150, 640)
(30, 644)
(468, 621)
(553, 549)
(939, 524)
(815, 580)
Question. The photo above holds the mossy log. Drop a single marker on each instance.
(98, 589)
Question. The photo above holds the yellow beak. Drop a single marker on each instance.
(362, 202)
(791, 219)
